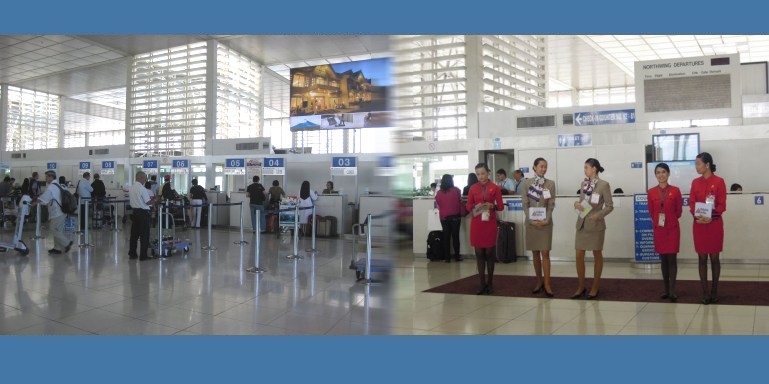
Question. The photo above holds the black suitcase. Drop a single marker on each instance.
(506, 252)
(435, 245)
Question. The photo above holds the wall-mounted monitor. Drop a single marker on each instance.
(341, 96)
(676, 147)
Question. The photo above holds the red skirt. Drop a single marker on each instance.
(709, 238)
(667, 240)
(483, 234)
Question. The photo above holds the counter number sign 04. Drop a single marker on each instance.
(274, 162)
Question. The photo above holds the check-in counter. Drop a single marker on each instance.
(424, 205)
(335, 205)
(222, 213)
(378, 205)
(745, 228)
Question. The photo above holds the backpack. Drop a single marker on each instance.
(68, 202)
(434, 246)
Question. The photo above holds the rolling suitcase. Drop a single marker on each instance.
(506, 252)
(331, 224)
(434, 246)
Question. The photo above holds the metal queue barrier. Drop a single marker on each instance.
(210, 246)
(242, 239)
(38, 215)
(115, 202)
(314, 249)
(257, 249)
(363, 268)
(84, 242)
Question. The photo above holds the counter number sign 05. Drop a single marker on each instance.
(235, 163)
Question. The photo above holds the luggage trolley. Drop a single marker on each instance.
(17, 243)
(167, 236)
(8, 210)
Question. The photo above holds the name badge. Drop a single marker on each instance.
(546, 193)
(485, 216)
(595, 198)
(661, 220)
(710, 199)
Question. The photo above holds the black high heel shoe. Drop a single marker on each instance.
(673, 298)
(538, 289)
(664, 296)
(591, 297)
(481, 291)
(549, 294)
(578, 295)
(489, 289)
(705, 300)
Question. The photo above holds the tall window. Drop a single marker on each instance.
(238, 105)
(33, 120)
(92, 123)
(513, 72)
(167, 102)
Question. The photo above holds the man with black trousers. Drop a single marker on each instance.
(84, 191)
(140, 227)
(256, 195)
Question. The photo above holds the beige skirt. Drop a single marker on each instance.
(539, 239)
(589, 240)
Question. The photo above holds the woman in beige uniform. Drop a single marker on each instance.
(538, 197)
(594, 204)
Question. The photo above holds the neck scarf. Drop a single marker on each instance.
(588, 185)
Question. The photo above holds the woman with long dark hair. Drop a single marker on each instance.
(709, 192)
(449, 201)
(483, 200)
(471, 179)
(306, 199)
(538, 198)
(593, 205)
(665, 207)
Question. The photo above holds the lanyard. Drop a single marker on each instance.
(663, 195)
(483, 190)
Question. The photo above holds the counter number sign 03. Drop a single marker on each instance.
(344, 162)
(108, 164)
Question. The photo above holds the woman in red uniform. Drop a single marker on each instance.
(708, 231)
(665, 207)
(483, 200)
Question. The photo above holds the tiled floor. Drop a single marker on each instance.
(99, 291)
(417, 312)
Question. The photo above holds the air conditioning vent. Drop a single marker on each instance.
(15, 155)
(568, 119)
(103, 151)
(536, 121)
(247, 146)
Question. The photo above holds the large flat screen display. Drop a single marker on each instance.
(341, 96)
(676, 147)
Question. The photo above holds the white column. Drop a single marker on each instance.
(473, 82)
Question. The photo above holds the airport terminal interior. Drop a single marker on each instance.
(370, 122)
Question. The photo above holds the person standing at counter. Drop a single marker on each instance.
(197, 198)
(665, 207)
(707, 203)
(276, 193)
(594, 204)
(256, 196)
(449, 201)
(471, 180)
(504, 183)
(538, 201)
(329, 188)
(483, 200)
(306, 199)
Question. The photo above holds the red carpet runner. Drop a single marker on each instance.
(641, 290)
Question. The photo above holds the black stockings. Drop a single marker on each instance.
(485, 258)
(669, 272)
(715, 265)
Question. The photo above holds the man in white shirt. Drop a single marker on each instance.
(52, 198)
(84, 190)
(140, 223)
(504, 183)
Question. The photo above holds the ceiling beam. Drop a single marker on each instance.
(608, 56)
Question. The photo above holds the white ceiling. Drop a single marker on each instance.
(72, 65)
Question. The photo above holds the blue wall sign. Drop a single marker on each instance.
(343, 162)
(636, 164)
(150, 164)
(525, 170)
(85, 165)
(51, 165)
(685, 201)
(622, 116)
(758, 200)
(514, 205)
(107, 165)
(180, 164)
(644, 231)
(575, 140)
(274, 162)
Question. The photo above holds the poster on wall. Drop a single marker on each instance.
(341, 96)
(644, 231)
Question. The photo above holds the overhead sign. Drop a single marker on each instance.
(107, 167)
(274, 166)
(386, 166)
(84, 166)
(235, 167)
(644, 231)
(575, 140)
(514, 205)
(51, 166)
(636, 164)
(622, 116)
(181, 167)
(150, 167)
(344, 166)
